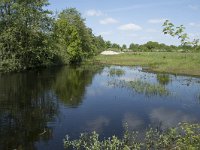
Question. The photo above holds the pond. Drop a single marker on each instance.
(38, 108)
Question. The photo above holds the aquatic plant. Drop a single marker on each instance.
(184, 136)
(140, 86)
(116, 72)
(163, 79)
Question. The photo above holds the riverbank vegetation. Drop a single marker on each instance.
(184, 136)
(32, 36)
(165, 62)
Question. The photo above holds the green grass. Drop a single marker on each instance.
(165, 62)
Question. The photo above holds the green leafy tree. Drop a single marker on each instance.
(99, 44)
(73, 39)
(151, 45)
(116, 47)
(134, 47)
(108, 44)
(24, 34)
(124, 46)
(68, 43)
(179, 32)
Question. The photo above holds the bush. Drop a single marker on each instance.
(183, 137)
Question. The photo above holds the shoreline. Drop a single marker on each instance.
(186, 64)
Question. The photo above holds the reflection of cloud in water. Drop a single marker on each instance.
(103, 84)
(164, 118)
(94, 91)
(128, 78)
(133, 121)
(104, 74)
(98, 124)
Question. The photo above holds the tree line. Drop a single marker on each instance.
(32, 36)
(152, 46)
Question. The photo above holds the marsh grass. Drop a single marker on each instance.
(164, 62)
(139, 86)
(163, 79)
(116, 72)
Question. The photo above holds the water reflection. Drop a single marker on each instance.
(98, 124)
(71, 83)
(116, 72)
(163, 79)
(38, 108)
(28, 101)
(133, 121)
(141, 87)
(26, 105)
(167, 118)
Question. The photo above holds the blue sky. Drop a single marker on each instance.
(135, 21)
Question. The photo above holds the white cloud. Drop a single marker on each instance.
(130, 27)
(157, 21)
(106, 33)
(193, 24)
(194, 7)
(108, 21)
(93, 12)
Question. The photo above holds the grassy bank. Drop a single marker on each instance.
(167, 62)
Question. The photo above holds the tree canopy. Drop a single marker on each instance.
(31, 37)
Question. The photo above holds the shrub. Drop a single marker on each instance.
(183, 137)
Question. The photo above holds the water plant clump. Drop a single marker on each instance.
(184, 136)
(140, 86)
(116, 72)
(147, 88)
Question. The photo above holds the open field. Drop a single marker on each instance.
(166, 62)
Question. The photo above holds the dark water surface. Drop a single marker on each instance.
(38, 108)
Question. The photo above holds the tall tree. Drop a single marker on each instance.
(73, 38)
(24, 32)
(124, 46)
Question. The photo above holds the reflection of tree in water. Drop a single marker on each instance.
(71, 83)
(163, 79)
(198, 98)
(28, 102)
(26, 105)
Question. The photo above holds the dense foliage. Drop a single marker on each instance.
(30, 37)
(24, 34)
(185, 136)
(160, 47)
